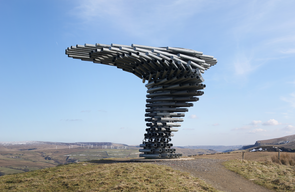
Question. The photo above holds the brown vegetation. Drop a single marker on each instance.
(104, 177)
(285, 159)
(252, 156)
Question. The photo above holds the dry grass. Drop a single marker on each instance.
(104, 177)
(285, 159)
(271, 175)
(250, 156)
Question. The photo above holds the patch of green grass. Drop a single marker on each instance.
(7, 170)
(14, 170)
(271, 175)
(104, 177)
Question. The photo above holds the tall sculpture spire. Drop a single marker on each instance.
(173, 78)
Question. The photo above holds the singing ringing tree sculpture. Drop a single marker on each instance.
(174, 82)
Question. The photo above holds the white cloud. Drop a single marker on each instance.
(271, 122)
(257, 130)
(254, 122)
(216, 124)
(290, 100)
(193, 117)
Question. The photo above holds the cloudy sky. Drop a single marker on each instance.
(46, 96)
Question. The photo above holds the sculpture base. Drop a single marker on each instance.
(161, 156)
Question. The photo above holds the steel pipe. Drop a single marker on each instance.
(150, 156)
(145, 150)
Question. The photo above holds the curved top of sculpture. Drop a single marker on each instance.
(147, 63)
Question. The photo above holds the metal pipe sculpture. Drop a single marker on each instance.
(174, 81)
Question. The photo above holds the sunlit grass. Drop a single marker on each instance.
(271, 175)
(104, 177)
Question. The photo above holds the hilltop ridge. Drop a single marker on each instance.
(276, 141)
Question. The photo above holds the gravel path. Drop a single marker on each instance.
(214, 173)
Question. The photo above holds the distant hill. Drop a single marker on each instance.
(276, 141)
(43, 145)
(34, 145)
(218, 148)
(286, 143)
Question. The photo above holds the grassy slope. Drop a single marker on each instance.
(271, 175)
(104, 177)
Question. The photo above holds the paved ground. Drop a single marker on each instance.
(214, 173)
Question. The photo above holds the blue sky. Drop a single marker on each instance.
(46, 96)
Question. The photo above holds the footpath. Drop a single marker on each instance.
(213, 172)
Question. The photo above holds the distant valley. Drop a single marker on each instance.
(218, 148)
(17, 157)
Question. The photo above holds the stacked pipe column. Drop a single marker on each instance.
(166, 104)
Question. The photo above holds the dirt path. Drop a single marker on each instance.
(214, 173)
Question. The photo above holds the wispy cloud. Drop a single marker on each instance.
(247, 127)
(290, 99)
(289, 129)
(255, 122)
(288, 51)
(271, 31)
(193, 116)
(257, 130)
(287, 39)
(140, 18)
(216, 124)
(243, 64)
